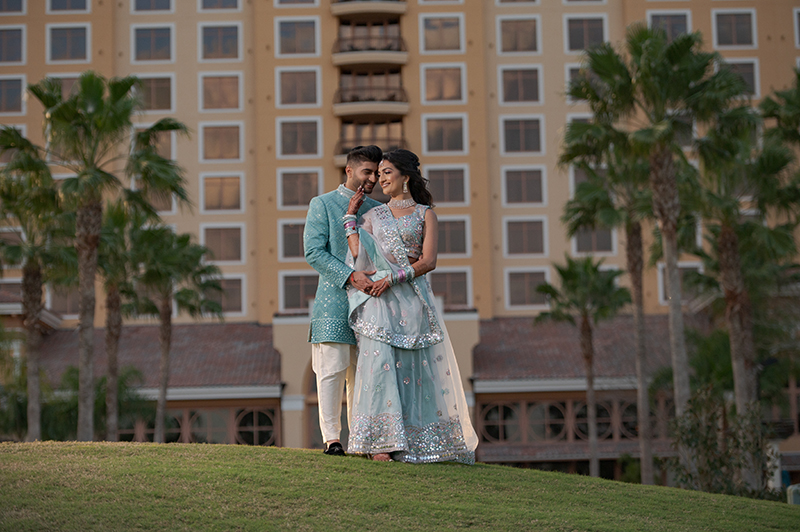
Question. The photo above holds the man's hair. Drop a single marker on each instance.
(363, 154)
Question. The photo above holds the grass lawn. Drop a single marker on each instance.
(104, 486)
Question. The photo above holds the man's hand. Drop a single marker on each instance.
(361, 281)
(356, 201)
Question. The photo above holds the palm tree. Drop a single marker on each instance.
(91, 134)
(172, 270)
(734, 172)
(617, 196)
(649, 95)
(29, 199)
(784, 108)
(587, 295)
(117, 266)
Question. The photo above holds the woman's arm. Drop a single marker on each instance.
(350, 221)
(426, 262)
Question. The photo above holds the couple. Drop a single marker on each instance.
(374, 324)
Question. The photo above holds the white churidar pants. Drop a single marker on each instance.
(334, 365)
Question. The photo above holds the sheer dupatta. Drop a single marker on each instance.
(405, 318)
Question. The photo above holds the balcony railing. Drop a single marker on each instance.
(370, 94)
(369, 44)
(385, 143)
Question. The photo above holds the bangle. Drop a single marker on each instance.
(349, 217)
(350, 231)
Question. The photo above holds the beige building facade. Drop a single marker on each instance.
(276, 91)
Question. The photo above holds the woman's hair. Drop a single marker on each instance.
(407, 163)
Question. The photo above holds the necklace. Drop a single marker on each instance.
(401, 204)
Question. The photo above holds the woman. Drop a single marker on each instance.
(409, 400)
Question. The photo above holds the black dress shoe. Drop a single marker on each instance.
(334, 449)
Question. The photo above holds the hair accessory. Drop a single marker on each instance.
(402, 204)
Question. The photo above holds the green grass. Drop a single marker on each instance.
(101, 486)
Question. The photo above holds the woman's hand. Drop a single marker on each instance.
(356, 201)
(379, 287)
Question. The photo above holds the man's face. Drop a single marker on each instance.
(365, 174)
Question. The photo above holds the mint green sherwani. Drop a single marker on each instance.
(325, 247)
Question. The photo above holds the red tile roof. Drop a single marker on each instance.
(226, 354)
(515, 348)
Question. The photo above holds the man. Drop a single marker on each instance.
(333, 343)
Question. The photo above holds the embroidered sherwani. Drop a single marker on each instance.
(333, 342)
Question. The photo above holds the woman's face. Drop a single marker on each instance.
(390, 179)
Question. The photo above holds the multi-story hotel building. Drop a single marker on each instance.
(276, 91)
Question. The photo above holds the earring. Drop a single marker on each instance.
(405, 187)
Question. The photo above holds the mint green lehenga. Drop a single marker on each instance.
(409, 400)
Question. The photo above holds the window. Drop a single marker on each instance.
(225, 243)
(518, 35)
(597, 240)
(517, 1)
(584, 32)
(797, 27)
(361, 35)
(64, 300)
(453, 286)
(443, 134)
(12, 44)
(297, 36)
(388, 135)
(152, 43)
(298, 86)
(221, 142)
(11, 287)
(299, 137)
(441, 34)
(296, 187)
(219, 42)
(523, 185)
(522, 135)
(519, 84)
(11, 92)
(521, 288)
(152, 5)
(221, 193)
(219, 4)
(525, 236)
(161, 203)
(290, 236)
(735, 28)
(68, 43)
(443, 83)
(12, 7)
(58, 6)
(67, 85)
(231, 297)
(156, 93)
(454, 235)
(673, 23)
(447, 184)
(296, 2)
(220, 91)
(297, 290)
(747, 69)
(687, 293)
(164, 142)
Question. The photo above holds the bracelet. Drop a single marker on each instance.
(347, 217)
(350, 231)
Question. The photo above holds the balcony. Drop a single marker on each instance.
(383, 101)
(367, 7)
(378, 50)
(385, 143)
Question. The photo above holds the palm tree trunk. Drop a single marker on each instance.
(88, 223)
(666, 205)
(635, 258)
(587, 349)
(32, 305)
(165, 334)
(739, 317)
(113, 331)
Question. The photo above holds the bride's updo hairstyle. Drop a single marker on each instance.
(407, 163)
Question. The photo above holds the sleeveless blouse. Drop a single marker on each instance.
(412, 228)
